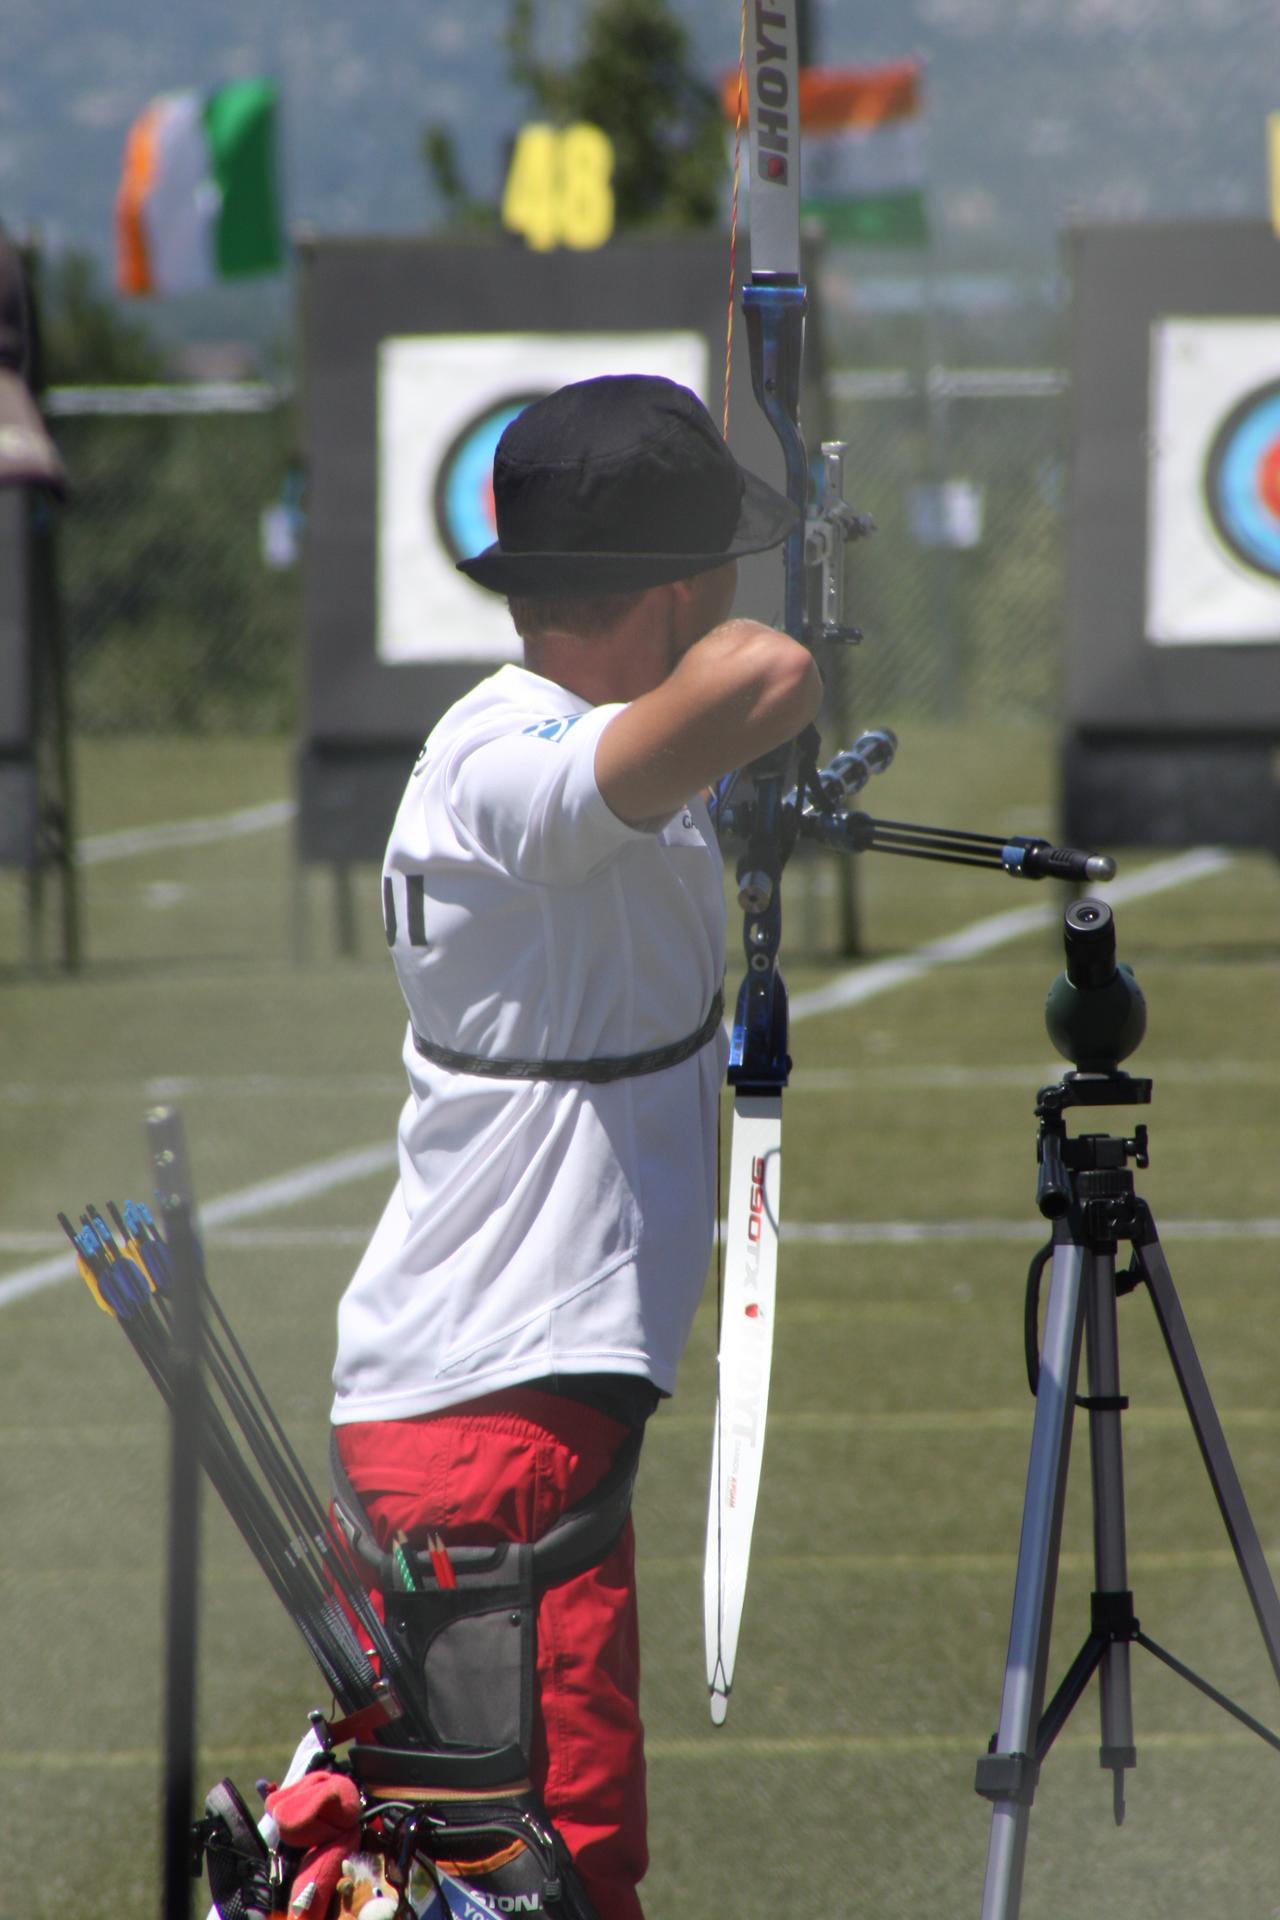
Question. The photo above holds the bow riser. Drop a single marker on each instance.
(774, 314)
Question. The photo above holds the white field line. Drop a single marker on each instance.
(941, 1565)
(941, 1078)
(711, 1749)
(824, 1233)
(937, 1077)
(270, 1195)
(887, 1233)
(265, 1196)
(97, 847)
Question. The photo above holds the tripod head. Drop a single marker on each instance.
(1095, 1013)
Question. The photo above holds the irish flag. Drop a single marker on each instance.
(197, 196)
(862, 170)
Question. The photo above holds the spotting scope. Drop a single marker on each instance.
(1095, 1011)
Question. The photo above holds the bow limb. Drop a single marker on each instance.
(774, 306)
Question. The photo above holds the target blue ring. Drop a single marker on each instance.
(462, 485)
(1243, 519)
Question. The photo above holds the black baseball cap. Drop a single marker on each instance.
(620, 482)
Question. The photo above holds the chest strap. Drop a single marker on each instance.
(618, 1066)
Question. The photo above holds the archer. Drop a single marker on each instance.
(555, 909)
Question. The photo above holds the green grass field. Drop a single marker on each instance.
(873, 1646)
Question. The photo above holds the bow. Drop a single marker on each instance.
(774, 307)
(791, 798)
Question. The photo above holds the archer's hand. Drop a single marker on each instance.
(737, 692)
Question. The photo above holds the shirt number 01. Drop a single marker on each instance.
(415, 919)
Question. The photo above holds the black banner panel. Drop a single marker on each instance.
(16, 714)
(18, 810)
(416, 354)
(1172, 677)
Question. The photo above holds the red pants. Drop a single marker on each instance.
(506, 1468)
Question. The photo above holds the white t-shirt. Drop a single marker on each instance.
(538, 1227)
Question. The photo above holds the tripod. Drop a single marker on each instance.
(1087, 1190)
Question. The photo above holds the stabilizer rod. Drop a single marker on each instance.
(816, 810)
(1021, 856)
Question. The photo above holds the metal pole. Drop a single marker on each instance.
(55, 797)
(176, 1209)
(1008, 1776)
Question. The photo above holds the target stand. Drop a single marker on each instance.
(1172, 681)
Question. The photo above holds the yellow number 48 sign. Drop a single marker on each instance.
(558, 191)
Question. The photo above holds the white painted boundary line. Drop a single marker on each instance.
(821, 1233)
(711, 1750)
(851, 990)
(185, 833)
(696, 1750)
(896, 1233)
(936, 1077)
(305, 1183)
(866, 982)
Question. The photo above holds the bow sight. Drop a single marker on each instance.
(815, 807)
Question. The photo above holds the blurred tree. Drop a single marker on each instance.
(633, 78)
(86, 338)
(173, 623)
(439, 157)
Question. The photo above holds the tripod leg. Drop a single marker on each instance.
(1007, 1775)
(1212, 1440)
(1112, 1600)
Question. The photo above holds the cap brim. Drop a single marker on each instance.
(765, 518)
(28, 457)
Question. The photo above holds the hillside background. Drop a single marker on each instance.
(1039, 111)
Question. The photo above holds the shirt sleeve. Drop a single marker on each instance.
(531, 800)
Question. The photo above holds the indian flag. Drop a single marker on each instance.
(197, 196)
(862, 166)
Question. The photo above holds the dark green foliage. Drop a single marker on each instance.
(87, 339)
(632, 78)
(173, 622)
(439, 157)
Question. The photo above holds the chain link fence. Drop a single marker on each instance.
(181, 574)
(959, 591)
(179, 567)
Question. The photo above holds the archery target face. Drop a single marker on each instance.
(1213, 552)
(443, 402)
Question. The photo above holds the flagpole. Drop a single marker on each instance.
(936, 404)
(804, 34)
